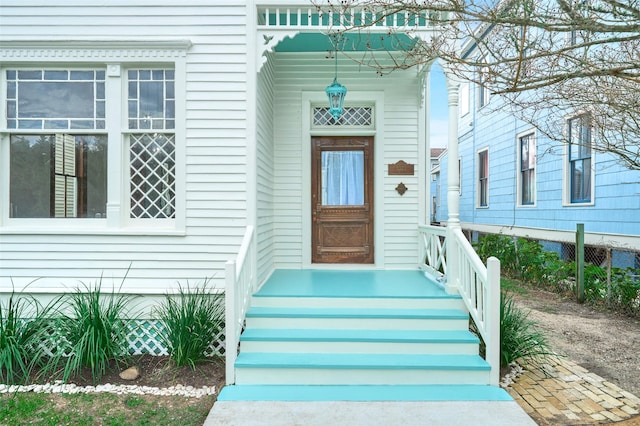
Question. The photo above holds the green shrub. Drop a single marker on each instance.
(626, 291)
(192, 319)
(94, 331)
(525, 260)
(520, 339)
(500, 246)
(21, 329)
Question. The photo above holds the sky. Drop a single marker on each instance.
(438, 108)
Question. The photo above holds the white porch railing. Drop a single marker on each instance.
(240, 283)
(338, 15)
(464, 272)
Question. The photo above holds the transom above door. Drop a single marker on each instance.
(342, 199)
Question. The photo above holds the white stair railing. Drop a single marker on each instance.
(240, 283)
(479, 286)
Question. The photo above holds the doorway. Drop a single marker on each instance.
(342, 199)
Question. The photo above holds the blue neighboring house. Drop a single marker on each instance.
(516, 181)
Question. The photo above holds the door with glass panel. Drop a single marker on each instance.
(342, 199)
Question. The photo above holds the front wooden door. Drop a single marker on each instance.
(342, 199)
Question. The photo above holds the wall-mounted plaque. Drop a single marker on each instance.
(401, 188)
(401, 168)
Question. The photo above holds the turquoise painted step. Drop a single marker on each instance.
(359, 341)
(363, 393)
(389, 336)
(357, 318)
(359, 369)
(358, 361)
(311, 301)
(356, 313)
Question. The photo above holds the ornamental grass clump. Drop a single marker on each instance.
(520, 338)
(22, 321)
(94, 331)
(192, 319)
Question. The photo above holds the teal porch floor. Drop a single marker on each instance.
(350, 283)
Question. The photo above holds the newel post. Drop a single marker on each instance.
(493, 319)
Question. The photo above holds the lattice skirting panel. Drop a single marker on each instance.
(143, 335)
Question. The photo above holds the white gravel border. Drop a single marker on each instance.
(70, 388)
(515, 371)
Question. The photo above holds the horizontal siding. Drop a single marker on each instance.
(265, 170)
(214, 146)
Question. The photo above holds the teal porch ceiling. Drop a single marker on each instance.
(350, 42)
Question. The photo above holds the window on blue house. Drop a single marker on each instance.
(483, 178)
(483, 90)
(464, 99)
(527, 169)
(579, 158)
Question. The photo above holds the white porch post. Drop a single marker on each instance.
(453, 187)
(424, 151)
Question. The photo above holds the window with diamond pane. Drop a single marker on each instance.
(351, 116)
(151, 105)
(152, 175)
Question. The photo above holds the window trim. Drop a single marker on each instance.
(465, 104)
(566, 163)
(479, 179)
(519, 193)
(115, 58)
(482, 92)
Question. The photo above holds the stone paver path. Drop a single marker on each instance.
(561, 392)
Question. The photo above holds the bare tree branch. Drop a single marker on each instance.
(547, 59)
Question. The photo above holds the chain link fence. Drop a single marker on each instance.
(611, 274)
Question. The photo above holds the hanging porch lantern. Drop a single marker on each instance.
(336, 92)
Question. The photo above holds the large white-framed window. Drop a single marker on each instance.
(57, 162)
(483, 178)
(96, 138)
(579, 182)
(526, 181)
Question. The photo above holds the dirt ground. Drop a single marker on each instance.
(158, 371)
(605, 343)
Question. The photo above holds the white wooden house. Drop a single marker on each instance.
(162, 139)
(198, 121)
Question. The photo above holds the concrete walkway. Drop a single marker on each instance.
(343, 413)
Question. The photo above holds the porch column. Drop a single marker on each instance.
(453, 174)
(424, 151)
(453, 189)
